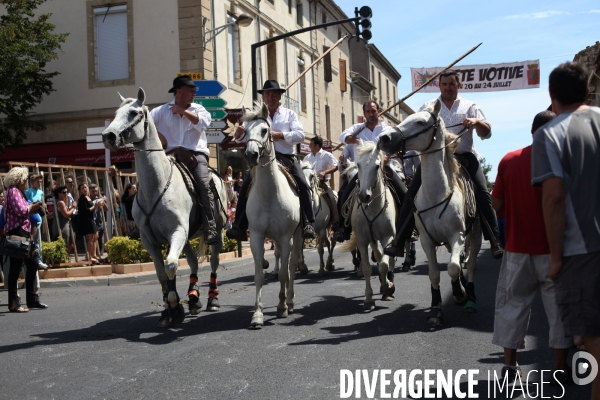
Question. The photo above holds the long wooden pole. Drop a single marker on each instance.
(316, 61)
(430, 80)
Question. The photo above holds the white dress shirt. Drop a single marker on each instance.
(179, 131)
(286, 121)
(461, 109)
(366, 135)
(323, 160)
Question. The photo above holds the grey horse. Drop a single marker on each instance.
(165, 210)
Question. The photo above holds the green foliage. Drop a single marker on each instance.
(27, 43)
(486, 168)
(55, 252)
(123, 250)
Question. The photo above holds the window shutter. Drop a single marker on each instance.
(343, 85)
(112, 53)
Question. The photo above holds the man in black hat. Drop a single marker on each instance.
(286, 131)
(182, 123)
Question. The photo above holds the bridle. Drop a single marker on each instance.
(265, 147)
(141, 115)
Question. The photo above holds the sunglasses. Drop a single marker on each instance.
(65, 192)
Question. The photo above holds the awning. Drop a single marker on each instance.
(61, 153)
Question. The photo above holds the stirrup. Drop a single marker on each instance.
(236, 233)
(393, 250)
(308, 232)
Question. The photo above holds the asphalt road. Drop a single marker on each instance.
(103, 342)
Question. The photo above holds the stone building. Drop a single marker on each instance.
(120, 45)
(590, 58)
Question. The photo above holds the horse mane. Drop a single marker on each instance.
(365, 147)
(256, 112)
(351, 165)
(449, 152)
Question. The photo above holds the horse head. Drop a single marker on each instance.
(127, 127)
(370, 166)
(258, 132)
(417, 132)
(308, 169)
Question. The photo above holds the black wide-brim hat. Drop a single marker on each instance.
(271, 84)
(180, 81)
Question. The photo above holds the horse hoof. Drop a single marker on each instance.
(304, 271)
(470, 307)
(405, 267)
(164, 321)
(257, 321)
(435, 321)
(321, 272)
(213, 304)
(194, 304)
(330, 267)
(435, 317)
(177, 314)
(460, 301)
(282, 312)
(265, 264)
(387, 297)
(290, 308)
(369, 306)
(359, 273)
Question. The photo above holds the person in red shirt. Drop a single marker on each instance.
(526, 262)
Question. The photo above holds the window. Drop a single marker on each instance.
(343, 122)
(394, 99)
(111, 43)
(327, 65)
(271, 1)
(233, 51)
(373, 75)
(387, 91)
(290, 6)
(343, 83)
(339, 33)
(272, 61)
(380, 88)
(324, 19)
(328, 122)
(299, 13)
(301, 86)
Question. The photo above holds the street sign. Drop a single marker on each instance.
(217, 125)
(213, 137)
(94, 138)
(209, 88)
(95, 146)
(210, 102)
(217, 114)
(196, 76)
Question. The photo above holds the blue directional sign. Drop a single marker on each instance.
(209, 88)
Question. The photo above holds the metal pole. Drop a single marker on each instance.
(107, 192)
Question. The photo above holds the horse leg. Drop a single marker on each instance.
(367, 270)
(330, 261)
(296, 248)
(212, 304)
(277, 253)
(386, 270)
(163, 278)
(409, 259)
(475, 245)
(454, 269)
(284, 277)
(176, 311)
(258, 249)
(321, 250)
(194, 304)
(435, 316)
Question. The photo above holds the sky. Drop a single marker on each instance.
(433, 34)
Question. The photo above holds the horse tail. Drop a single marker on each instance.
(201, 250)
(348, 245)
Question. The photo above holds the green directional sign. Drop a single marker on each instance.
(217, 114)
(210, 102)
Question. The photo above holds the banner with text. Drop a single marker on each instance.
(484, 78)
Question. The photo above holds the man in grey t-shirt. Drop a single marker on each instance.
(566, 163)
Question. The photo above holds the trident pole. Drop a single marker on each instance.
(430, 80)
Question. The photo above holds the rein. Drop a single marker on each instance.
(264, 145)
(381, 176)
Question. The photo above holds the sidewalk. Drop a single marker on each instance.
(183, 271)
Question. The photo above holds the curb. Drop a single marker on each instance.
(142, 277)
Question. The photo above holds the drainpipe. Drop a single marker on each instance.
(259, 52)
(285, 56)
(312, 71)
(212, 16)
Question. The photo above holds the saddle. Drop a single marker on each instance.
(184, 156)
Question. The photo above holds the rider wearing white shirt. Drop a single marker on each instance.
(286, 131)
(325, 164)
(368, 131)
(182, 123)
(456, 110)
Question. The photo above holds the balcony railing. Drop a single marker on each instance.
(291, 104)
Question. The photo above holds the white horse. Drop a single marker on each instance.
(273, 211)
(445, 206)
(164, 210)
(322, 220)
(373, 220)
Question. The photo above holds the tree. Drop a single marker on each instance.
(27, 43)
(486, 168)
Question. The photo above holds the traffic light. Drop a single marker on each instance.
(364, 22)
